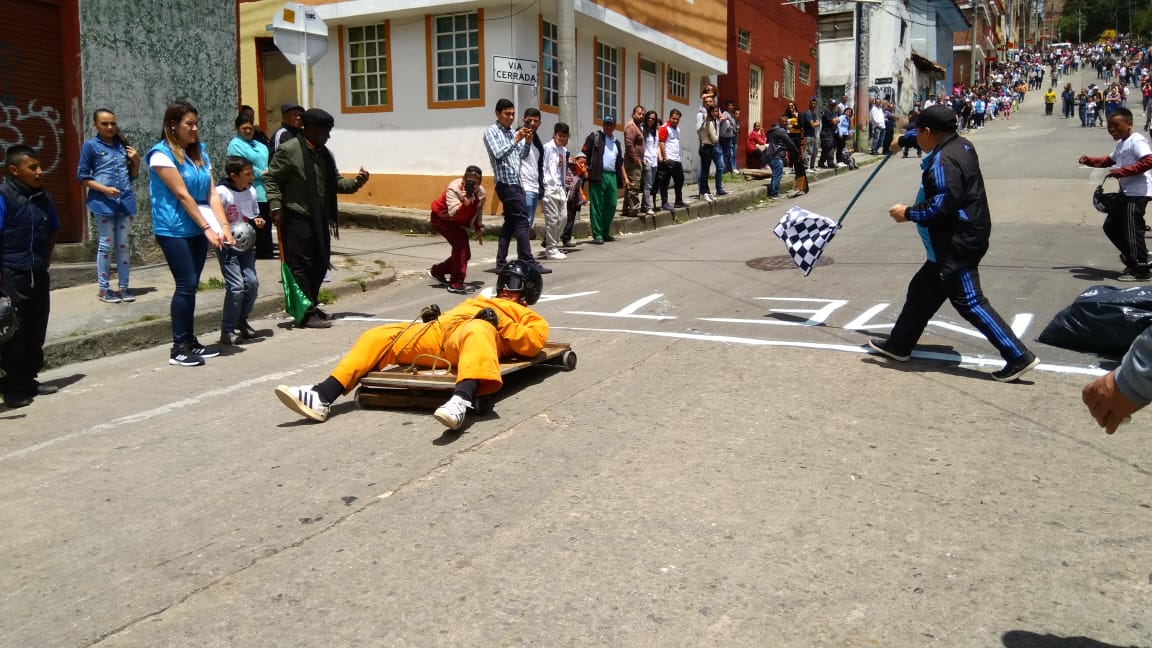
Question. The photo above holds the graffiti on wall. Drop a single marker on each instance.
(37, 126)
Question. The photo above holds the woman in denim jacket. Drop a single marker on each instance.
(108, 165)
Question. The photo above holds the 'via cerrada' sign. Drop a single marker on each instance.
(514, 70)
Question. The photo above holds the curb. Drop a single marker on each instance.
(137, 335)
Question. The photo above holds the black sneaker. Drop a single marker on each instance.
(543, 270)
(316, 322)
(245, 331)
(14, 401)
(1016, 368)
(204, 352)
(882, 349)
(228, 339)
(182, 356)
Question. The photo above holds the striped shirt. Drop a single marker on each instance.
(505, 153)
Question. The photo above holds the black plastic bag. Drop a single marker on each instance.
(1102, 319)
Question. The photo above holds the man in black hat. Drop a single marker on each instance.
(302, 184)
(952, 216)
(291, 115)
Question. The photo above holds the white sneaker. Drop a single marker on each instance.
(304, 401)
(554, 254)
(451, 414)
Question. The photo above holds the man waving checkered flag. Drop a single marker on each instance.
(805, 234)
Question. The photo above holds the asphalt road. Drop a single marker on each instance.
(725, 467)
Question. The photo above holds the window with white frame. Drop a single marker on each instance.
(607, 80)
(456, 57)
(550, 76)
(805, 74)
(677, 84)
(366, 66)
(744, 40)
(789, 80)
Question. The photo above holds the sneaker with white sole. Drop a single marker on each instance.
(451, 414)
(182, 356)
(1016, 368)
(555, 254)
(304, 401)
(882, 349)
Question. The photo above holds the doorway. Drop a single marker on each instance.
(277, 83)
(649, 86)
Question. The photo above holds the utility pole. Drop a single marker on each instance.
(566, 61)
(973, 68)
(863, 19)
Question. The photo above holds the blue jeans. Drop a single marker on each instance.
(711, 155)
(728, 146)
(777, 166)
(531, 199)
(647, 187)
(112, 234)
(185, 258)
(242, 284)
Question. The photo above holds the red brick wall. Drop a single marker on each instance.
(778, 31)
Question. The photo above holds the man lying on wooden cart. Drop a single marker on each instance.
(472, 337)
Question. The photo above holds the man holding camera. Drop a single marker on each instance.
(506, 151)
(459, 208)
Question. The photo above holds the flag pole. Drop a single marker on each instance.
(864, 186)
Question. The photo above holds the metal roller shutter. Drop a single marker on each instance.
(34, 106)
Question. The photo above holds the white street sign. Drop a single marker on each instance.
(300, 34)
(514, 70)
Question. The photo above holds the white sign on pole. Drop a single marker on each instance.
(300, 34)
(514, 70)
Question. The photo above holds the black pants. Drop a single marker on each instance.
(304, 253)
(1126, 231)
(515, 224)
(264, 235)
(926, 294)
(826, 152)
(673, 173)
(22, 356)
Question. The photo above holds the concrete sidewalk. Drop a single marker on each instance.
(83, 328)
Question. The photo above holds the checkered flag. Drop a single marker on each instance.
(805, 234)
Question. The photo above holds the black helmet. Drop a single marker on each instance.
(8, 321)
(522, 277)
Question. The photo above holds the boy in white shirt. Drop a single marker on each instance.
(555, 169)
(239, 268)
(1130, 162)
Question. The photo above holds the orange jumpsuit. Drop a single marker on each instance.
(474, 347)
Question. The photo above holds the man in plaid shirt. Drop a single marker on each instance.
(506, 149)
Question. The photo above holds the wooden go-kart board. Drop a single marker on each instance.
(428, 388)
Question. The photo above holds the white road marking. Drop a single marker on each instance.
(959, 358)
(629, 310)
(169, 407)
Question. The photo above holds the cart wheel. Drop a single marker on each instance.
(482, 406)
(568, 359)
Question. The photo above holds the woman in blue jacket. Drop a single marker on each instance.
(108, 165)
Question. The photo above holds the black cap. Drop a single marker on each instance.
(937, 118)
(318, 117)
(290, 106)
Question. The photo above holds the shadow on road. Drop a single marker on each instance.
(1025, 639)
(1089, 274)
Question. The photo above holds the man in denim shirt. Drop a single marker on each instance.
(108, 165)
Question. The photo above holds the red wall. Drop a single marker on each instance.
(778, 31)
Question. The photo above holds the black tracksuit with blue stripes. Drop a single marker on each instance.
(953, 219)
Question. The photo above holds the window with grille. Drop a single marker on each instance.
(456, 57)
(677, 84)
(836, 26)
(607, 80)
(789, 80)
(754, 82)
(744, 40)
(805, 74)
(550, 76)
(366, 67)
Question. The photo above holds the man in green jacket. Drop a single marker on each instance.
(302, 184)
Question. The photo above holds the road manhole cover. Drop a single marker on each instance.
(782, 262)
